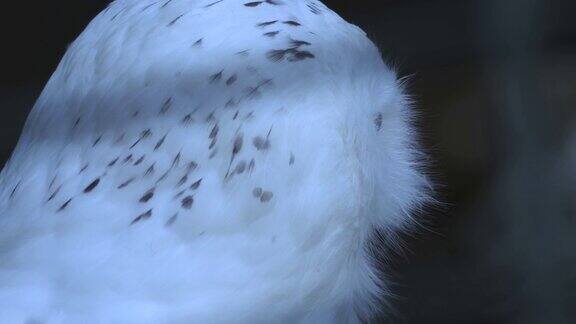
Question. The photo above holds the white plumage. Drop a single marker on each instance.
(202, 161)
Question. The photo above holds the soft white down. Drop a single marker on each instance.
(203, 161)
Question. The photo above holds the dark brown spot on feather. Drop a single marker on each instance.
(180, 194)
(216, 77)
(187, 119)
(140, 160)
(257, 192)
(117, 14)
(237, 144)
(378, 120)
(272, 33)
(97, 141)
(128, 158)
(147, 7)
(253, 4)
(213, 3)
(113, 162)
(144, 135)
(198, 42)
(175, 20)
(196, 185)
(210, 117)
(253, 92)
(292, 23)
(120, 138)
(52, 182)
(53, 195)
(236, 148)
(191, 166)
(266, 196)
(299, 43)
(301, 55)
(176, 160)
(166, 106)
(84, 168)
(65, 205)
(261, 143)
(92, 186)
(147, 196)
(314, 8)
(292, 54)
(126, 183)
(187, 202)
(214, 132)
(240, 167)
(267, 23)
(160, 142)
(276, 55)
(13, 192)
(150, 170)
(163, 177)
(171, 220)
(231, 103)
(231, 80)
(182, 180)
(141, 217)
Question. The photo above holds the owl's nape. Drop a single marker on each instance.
(208, 161)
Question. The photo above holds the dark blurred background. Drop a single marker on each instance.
(494, 82)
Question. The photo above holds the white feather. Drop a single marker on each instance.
(312, 152)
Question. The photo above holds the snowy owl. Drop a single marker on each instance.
(203, 161)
